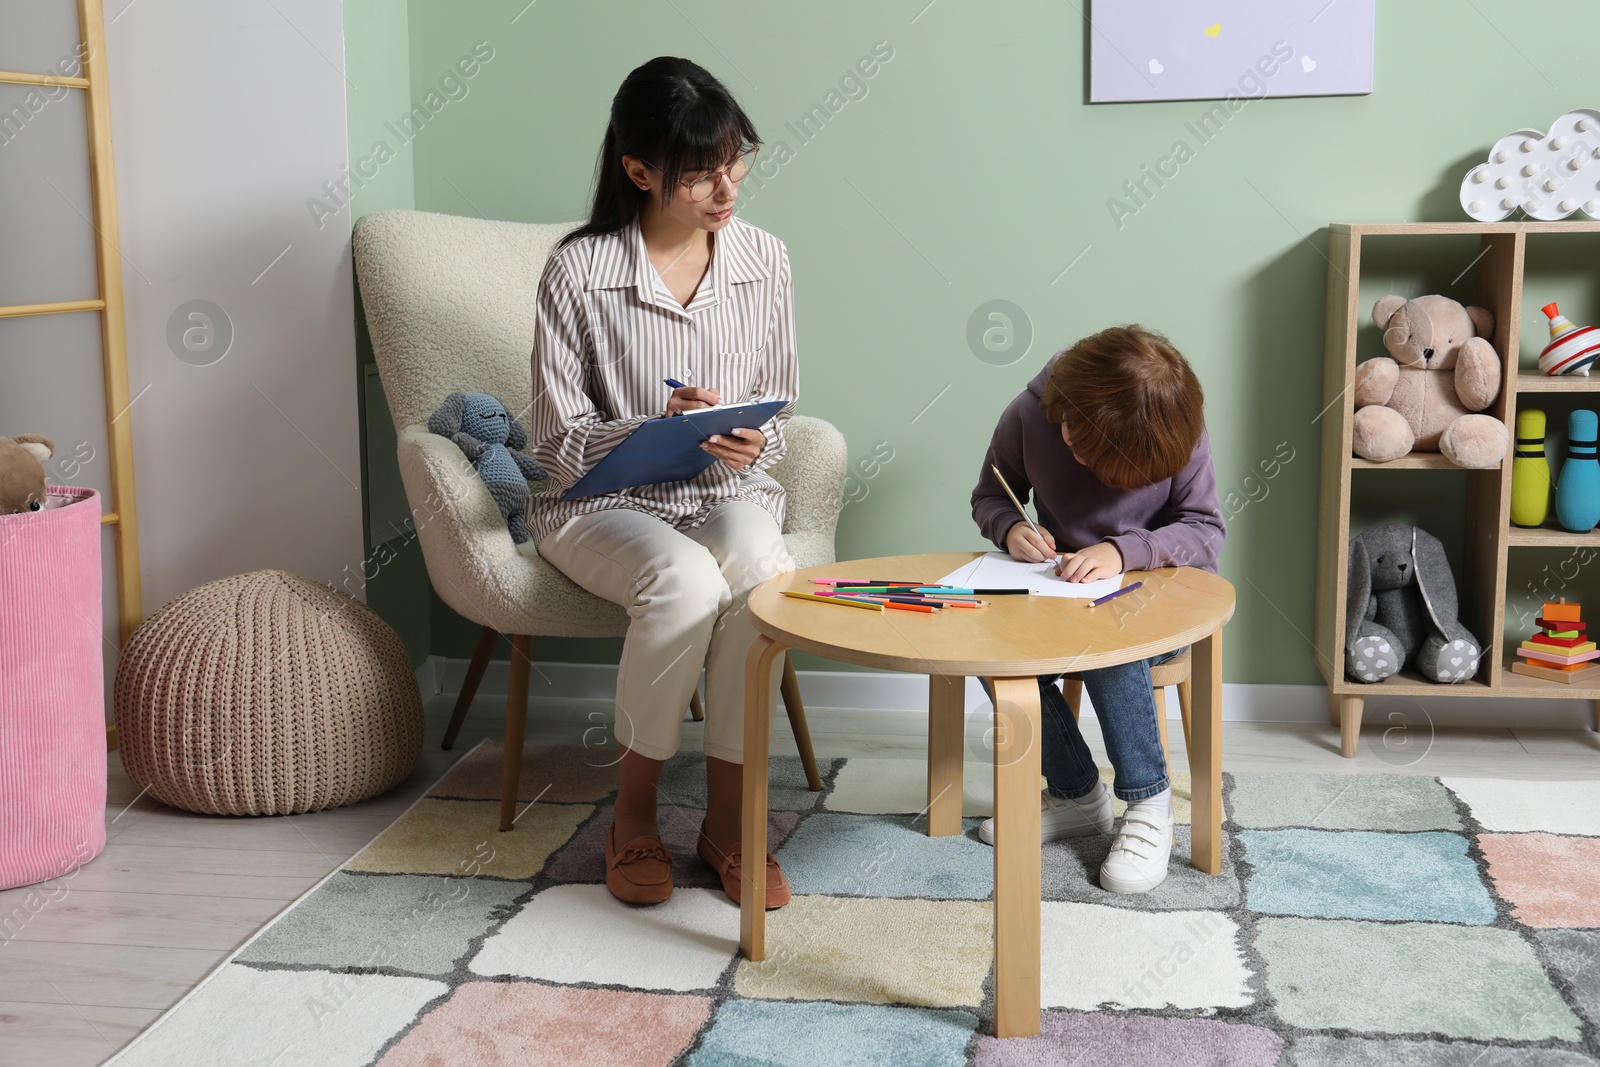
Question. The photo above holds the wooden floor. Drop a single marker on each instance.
(173, 894)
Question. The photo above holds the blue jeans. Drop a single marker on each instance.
(1125, 703)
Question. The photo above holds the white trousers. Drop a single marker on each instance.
(685, 591)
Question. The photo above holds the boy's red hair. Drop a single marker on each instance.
(1131, 405)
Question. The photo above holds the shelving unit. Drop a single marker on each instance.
(1482, 576)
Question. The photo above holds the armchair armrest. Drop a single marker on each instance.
(465, 544)
(812, 474)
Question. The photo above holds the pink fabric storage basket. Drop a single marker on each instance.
(52, 689)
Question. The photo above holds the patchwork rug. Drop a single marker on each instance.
(1358, 919)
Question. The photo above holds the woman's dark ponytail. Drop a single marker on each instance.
(674, 114)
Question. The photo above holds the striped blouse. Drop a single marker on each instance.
(608, 332)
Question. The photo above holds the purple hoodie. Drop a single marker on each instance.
(1176, 522)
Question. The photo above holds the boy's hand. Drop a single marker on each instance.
(739, 449)
(691, 397)
(1091, 564)
(1026, 546)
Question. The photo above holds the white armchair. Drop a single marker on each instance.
(450, 305)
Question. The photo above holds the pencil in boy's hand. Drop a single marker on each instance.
(847, 601)
(1018, 503)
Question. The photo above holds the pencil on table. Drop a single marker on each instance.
(847, 601)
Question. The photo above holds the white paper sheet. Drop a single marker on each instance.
(997, 570)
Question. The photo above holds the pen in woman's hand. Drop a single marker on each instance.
(689, 397)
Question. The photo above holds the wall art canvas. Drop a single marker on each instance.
(1217, 49)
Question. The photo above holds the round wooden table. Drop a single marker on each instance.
(1009, 642)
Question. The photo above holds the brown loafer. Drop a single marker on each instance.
(730, 869)
(641, 873)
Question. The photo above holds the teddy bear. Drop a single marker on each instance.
(1400, 609)
(1424, 399)
(487, 434)
(22, 475)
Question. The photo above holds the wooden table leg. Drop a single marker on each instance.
(947, 706)
(757, 742)
(1017, 876)
(1205, 761)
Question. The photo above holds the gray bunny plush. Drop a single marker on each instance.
(485, 431)
(1401, 608)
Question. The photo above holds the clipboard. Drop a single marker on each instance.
(668, 449)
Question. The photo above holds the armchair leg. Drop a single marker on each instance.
(516, 719)
(469, 684)
(790, 688)
(697, 710)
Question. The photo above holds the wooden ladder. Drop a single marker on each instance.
(113, 343)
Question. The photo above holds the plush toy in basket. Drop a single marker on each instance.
(1426, 398)
(1401, 609)
(22, 474)
(493, 441)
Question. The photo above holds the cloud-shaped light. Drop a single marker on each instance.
(1549, 176)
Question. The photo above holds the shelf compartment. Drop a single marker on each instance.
(1549, 537)
(1406, 684)
(1409, 683)
(1521, 685)
(1536, 382)
(1416, 461)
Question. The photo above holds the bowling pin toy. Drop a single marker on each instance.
(1578, 488)
(1530, 471)
(1572, 348)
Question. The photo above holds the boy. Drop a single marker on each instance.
(1110, 440)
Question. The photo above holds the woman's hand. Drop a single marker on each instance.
(1027, 546)
(737, 450)
(690, 397)
(1091, 564)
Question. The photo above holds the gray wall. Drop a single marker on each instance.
(226, 119)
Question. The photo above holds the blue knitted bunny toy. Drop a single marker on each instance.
(493, 440)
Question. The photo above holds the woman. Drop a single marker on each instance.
(664, 282)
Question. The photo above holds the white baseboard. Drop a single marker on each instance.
(428, 677)
(908, 694)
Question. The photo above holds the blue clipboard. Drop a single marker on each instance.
(668, 450)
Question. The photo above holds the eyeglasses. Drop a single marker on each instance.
(702, 187)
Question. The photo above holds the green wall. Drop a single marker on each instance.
(378, 76)
(973, 170)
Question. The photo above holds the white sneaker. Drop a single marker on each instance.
(1139, 855)
(1058, 818)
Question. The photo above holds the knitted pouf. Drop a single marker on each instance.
(266, 694)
